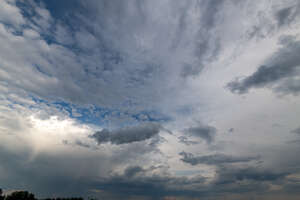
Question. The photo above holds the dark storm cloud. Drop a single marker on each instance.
(227, 175)
(292, 187)
(204, 132)
(152, 186)
(45, 175)
(158, 186)
(227, 180)
(280, 72)
(127, 135)
(61, 179)
(242, 180)
(55, 175)
(132, 171)
(214, 159)
(282, 16)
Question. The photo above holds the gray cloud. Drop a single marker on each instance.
(82, 144)
(297, 131)
(55, 175)
(227, 175)
(282, 16)
(133, 170)
(286, 16)
(231, 130)
(208, 45)
(228, 180)
(279, 72)
(214, 159)
(134, 181)
(79, 143)
(127, 135)
(183, 139)
(155, 186)
(204, 132)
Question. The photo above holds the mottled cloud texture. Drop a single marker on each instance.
(160, 99)
(281, 71)
(127, 135)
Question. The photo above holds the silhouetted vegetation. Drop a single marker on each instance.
(25, 195)
(1, 195)
(20, 195)
(72, 198)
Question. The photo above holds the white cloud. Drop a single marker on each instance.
(9, 13)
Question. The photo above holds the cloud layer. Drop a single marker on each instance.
(281, 71)
(127, 135)
(215, 159)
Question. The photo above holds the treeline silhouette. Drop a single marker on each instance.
(25, 195)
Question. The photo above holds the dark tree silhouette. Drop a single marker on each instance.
(20, 195)
(1, 195)
(24, 195)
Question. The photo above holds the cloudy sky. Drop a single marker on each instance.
(151, 99)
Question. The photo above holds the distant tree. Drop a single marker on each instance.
(24, 195)
(20, 195)
(1, 194)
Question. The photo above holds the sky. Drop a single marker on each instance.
(160, 99)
